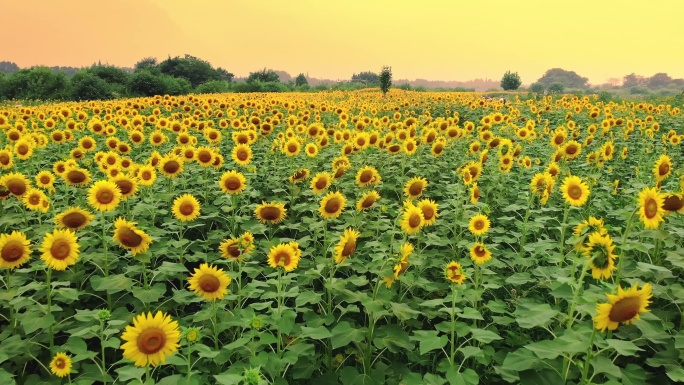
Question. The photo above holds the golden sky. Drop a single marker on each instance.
(428, 39)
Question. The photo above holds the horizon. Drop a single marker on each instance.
(306, 37)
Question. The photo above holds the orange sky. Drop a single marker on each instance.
(429, 39)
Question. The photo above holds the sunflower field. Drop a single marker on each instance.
(342, 238)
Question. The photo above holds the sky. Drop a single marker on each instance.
(427, 39)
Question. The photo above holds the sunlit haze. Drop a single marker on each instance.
(430, 39)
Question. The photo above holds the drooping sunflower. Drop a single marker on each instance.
(367, 176)
(415, 187)
(332, 205)
(430, 213)
(171, 165)
(624, 307)
(575, 191)
(412, 219)
(60, 365)
(242, 154)
(284, 255)
(480, 254)
(76, 176)
(662, 168)
(651, 207)
(232, 182)
(475, 193)
(367, 200)
(16, 183)
(60, 249)
(209, 282)
(130, 237)
(454, 273)
(479, 224)
(320, 182)
(74, 218)
(673, 203)
(14, 250)
(346, 246)
(151, 339)
(186, 208)
(300, 175)
(599, 249)
(273, 212)
(237, 248)
(403, 264)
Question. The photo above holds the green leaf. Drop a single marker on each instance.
(433, 379)
(470, 313)
(111, 284)
(471, 351)
(633, 375)
(519, 278)
(676, 373)
(532, 315)
(429, 340)
(392, 337)
(343, 334)
(602, 364)
(625, 348)
(130, 372)
(150, 295)
(548, 349)
(467, 377)
(228, 379)
(317, 333)
(403, 311)
(33, 322)
(484, 336)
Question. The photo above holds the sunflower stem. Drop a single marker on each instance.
(8, 285)
(524, 226)
(189, 365)
(102, 341)
(571, 312)
(585, 368)
(180, 237)
(234, 206)
(48, 280)
(147, 373)
(106, 261)
(280, 277)
(562, 239)
(618, 274)
(453, 325)
(214, 309)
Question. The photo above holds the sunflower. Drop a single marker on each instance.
(147, 175)
(599, 249)
(412, 219)
(474, 169)
(346, 246)
(14, 250)
(16, 183)
(437, 148)
(186, 208)
(60, 249)
(454, 273)
(651, 210)
(284, 255)
(236, 248)
(403, 264)
(479, 224)
(272, 212)
(480, 254)
(242, 154)
(6, 159)
(367, 200)
(130, 237)
(320, 182)
(36, 200)
(367, 176)
(23, 149)
(74, 218)
(60, 365)
(624, 307)
(209, 282)
(104, 196)
(76, 176)
(571, 149)
(662, 168)
(474, 193)
(415, 187)
(127, 185)
(332, 205)
(171, 165)
(151, 339)
(232, 182)
(673, 202)
(429, 208)
(292, 147)
(311, 150)
(46, 181)
(575, 191)
(592, 225)
(300, 175)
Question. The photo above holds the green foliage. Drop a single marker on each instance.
(263, 76)
(510, 81)
(301, 80)
(556, 88)
(37, 83)
(146, 83)
(195, 70)
(213, 87)
(537, 88)
(569, 79)
(85, 85)
(368, 78)
(110, 74)
(385, 79)
(147, 63)
(405, 87)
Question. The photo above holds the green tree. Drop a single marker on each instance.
(195, 70)
(145, 83)
(537, 88)
(145, 64)
(568, 79)
(213, 87)
(110, 74)
(510, 81)
(385, 80)
(367, 77)
(659, 80)
(301, 80)
(84, 85)
(40, 83)
(263, 76)
(556, 88)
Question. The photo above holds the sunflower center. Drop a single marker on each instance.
(204, 157)
(4, 158)
(12, 251)
(321, 183)
(151, 340)
(349, 248)
(673, 203)
(60, 249)
(74, 220)
(366, 176)
(651, 208)
(571, 150)
(601, 260)
(242, 155)
(146, 175)
(416, 188)
(282, 259)
(480, 251)
(414, 220)
(60, 363)
(34, 199)
(575, 192)
(234, 251)
(23, 149)
(209, 283)
(368, 202)
(129, 238)
(171, 166)
(104, 196)
(187, 208)
(478, 225)
(232, 183)
(125, 186)
(292, 148)
(332, 206)
(270, 213)
(45, 179)
(428, 213)
(16, 187)
(663, 169)
(75, 176)
(558, 139)
(625, 309)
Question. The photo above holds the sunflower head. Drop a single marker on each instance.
(60, 249)
(575, 191)
(273, 212)
(151, 339)
(479, 224)
(128, 236)
(367, 200)
(415, 187)
(651, 203)
(14, 250)
(332, 205)
(346, 246)
(209, 282)
(285, 255)
(186, 208)
(454, 273)
(60, 365)
(233, 182)
(623, 308)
